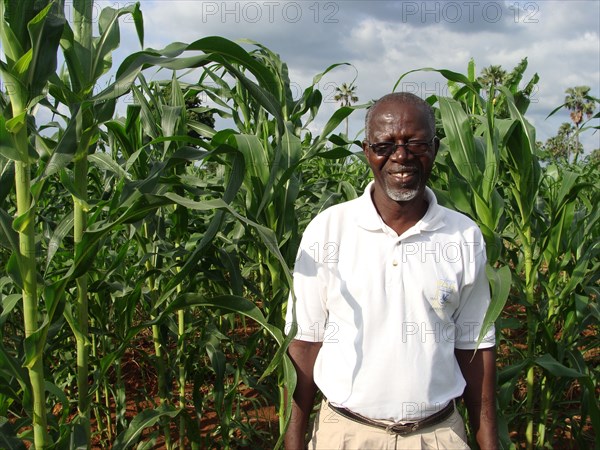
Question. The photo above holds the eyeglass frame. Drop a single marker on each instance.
(406, 146)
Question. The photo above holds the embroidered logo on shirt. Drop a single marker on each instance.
(443, 294)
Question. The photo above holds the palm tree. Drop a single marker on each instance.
(579, 103)
(491, 77)
(345, 95)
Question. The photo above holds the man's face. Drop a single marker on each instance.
(401, 176)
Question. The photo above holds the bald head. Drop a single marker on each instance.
(401, 98)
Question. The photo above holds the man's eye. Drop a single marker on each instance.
(418, 146)
(383, 146)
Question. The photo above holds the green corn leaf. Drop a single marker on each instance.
(108, 41)
(77, 61)
(138, 20)
(18, 91)
(500, 280)
(521, 148)
(65, 149)
(143, 420)
(14, 269)
(78, 439)
(17, 15)
(85, 252)
(131, 67)
(471, 70)
(69, 184)
(105, 162)
(75, 328)
(13, 367)
(581, 269)
(185, 153)
(21, 67)
(549, 363)
(83, 40)
(191, 262)
(228, 303)
(231, 263)
(177, 97)
(132, 118)
(218, 362)
(337, 118)
(201, 128)
(45, 31)
(261, 94)
(482, 209)
(7, 147)
(11, 45)
(233, 53)
(24, 220)
(34, 344)
(509, 373)
(460, 196)
(103, 111)
(9, 303)
(60, 232)
(459, 139)
(127, 147)
(288, 154)
(149, 124)
(15, 124)
(8, 437)
(170, 122)
(567, 182)
(8, 236)
(335, 153)
(492, 155)
(256, 157)
(449, 75)
(267, 235)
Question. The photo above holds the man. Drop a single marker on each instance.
(391, 294)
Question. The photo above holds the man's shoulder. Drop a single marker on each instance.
(458, 223)
(457, 218)
(335, 215)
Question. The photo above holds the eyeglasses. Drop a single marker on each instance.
(416, 148)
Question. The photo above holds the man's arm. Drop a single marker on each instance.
(303, 355)
(479, 372)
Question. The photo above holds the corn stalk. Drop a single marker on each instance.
(29, 39)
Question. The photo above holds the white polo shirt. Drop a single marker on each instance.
(389, 309)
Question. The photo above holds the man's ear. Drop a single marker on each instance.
(365, 147)
(436, 144)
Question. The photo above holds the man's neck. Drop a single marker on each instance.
(399, 215)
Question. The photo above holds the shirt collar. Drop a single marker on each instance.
(369, 218)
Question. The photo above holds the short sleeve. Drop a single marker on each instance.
(309, 288)
(474, 302)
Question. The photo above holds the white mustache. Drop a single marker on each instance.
(404, 169)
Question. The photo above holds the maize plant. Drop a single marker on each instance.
(146, 254)
(533, 219)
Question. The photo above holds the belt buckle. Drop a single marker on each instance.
(402, 428)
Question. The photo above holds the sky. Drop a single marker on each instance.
(381, 40)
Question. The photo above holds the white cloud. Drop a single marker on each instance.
(384, 39)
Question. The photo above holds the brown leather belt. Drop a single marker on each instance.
(400, 428)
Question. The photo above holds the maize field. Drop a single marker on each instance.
(146, 253)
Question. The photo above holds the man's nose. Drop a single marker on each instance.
(401, 152)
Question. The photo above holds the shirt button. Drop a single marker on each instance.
(394, 263)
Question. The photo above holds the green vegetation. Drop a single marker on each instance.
(145, 257)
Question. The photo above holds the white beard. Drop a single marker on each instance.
(403, 195)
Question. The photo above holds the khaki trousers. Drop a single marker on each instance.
(332, 431)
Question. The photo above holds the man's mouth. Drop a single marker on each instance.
(404, 174)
